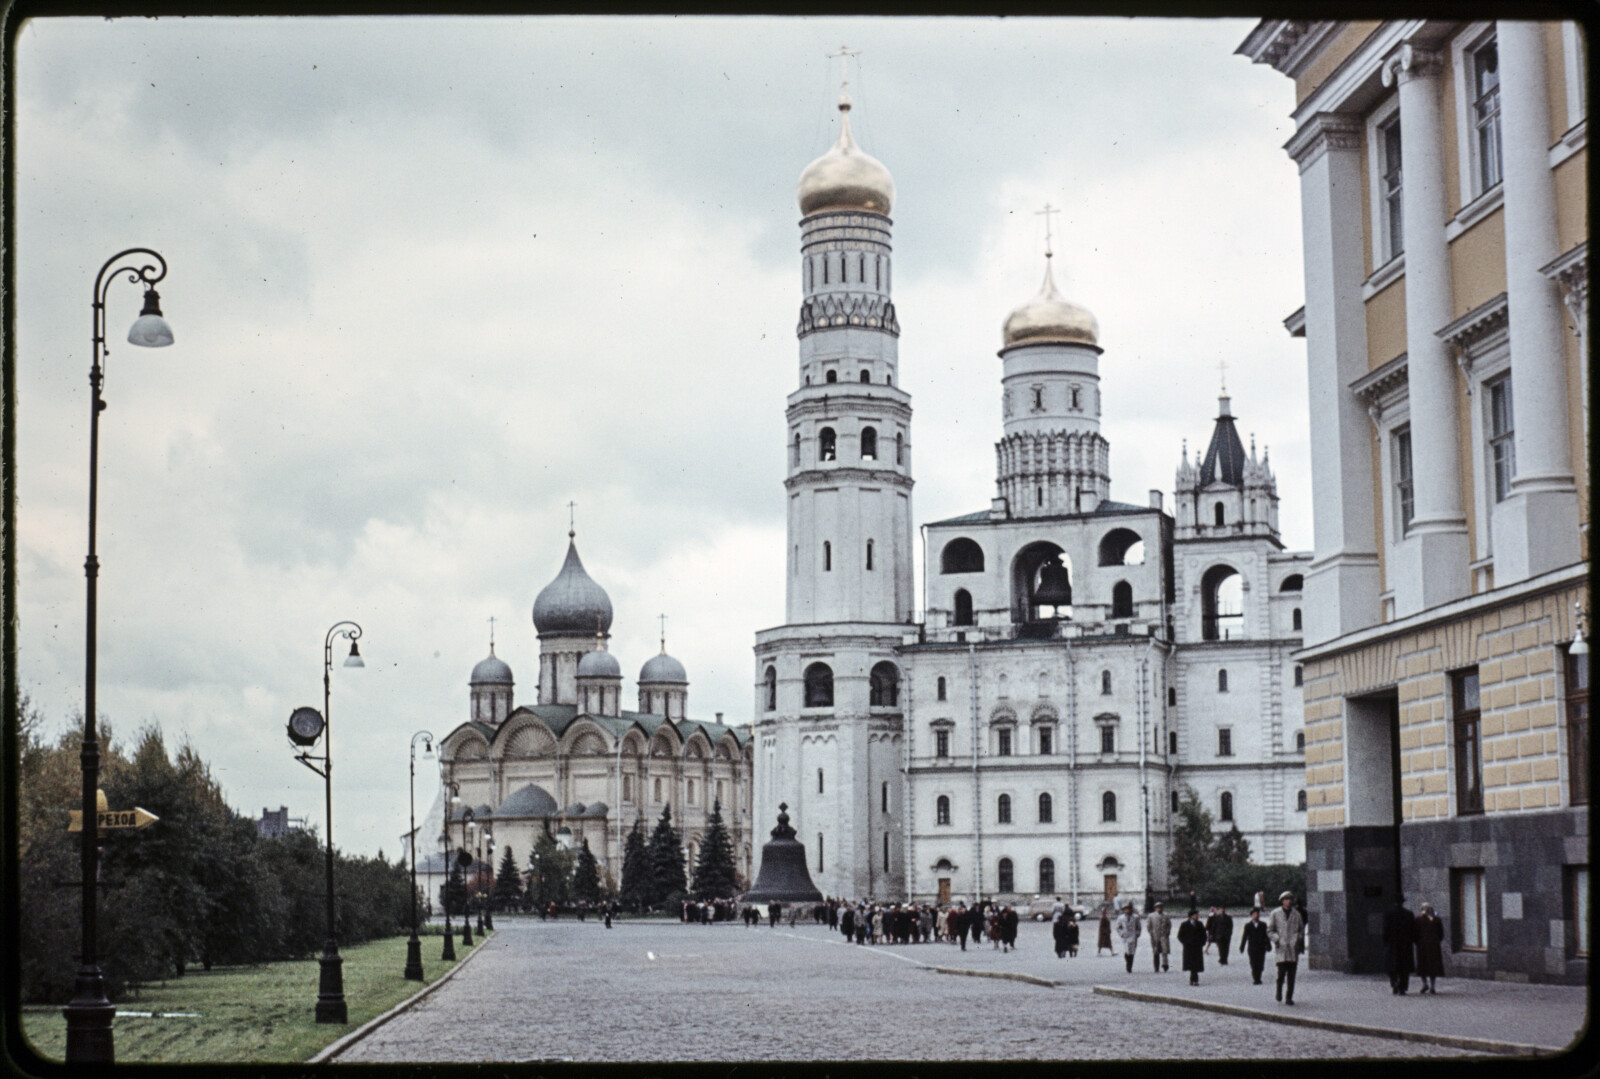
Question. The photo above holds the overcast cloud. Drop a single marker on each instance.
(432, 279)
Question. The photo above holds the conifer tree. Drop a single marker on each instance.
(552, 871)
(714, 874)
(666, 860)
(638, 882)
(586, 877)
(507, 883)
(453, 893)
(1231, 847)
(1191, 843)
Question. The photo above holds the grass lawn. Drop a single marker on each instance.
(249, 1014)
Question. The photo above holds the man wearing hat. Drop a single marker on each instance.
(1287, 932)
(1192, 939)
(1399, 938)
(1159, 928)
(1128, 926)
(1254, 943)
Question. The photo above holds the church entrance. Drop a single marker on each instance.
(944, 891)
(1111, 887)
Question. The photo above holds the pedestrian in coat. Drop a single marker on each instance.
(1104, 941)
(1430, 948)
(1072, 933)
(1399, 941)
(1219, 927)
(962, 919)
(1058, 932)
(847, 923)
(1129, 925)
(1008, 928)
(1254, 943)
(1287, 931)
(1158, 927)
(1192, 939)
(774, 909)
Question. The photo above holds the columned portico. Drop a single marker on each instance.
(1536, 528)
(1430, 561)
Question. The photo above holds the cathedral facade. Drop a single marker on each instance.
(576, 763)
(1077, 661)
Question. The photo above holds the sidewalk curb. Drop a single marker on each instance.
(1029, 978)
(1482, 1045)
(330, 1051)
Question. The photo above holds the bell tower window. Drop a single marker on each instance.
(827, 443)
(866, 376)
(869, 443)
(869, 554)
(1216, 510)
(827, 556)
(832, 376)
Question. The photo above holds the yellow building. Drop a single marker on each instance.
(1445, 225)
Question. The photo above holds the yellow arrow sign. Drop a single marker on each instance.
(115, 818)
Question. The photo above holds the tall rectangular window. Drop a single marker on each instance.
(1578, 728)
(941, 743)
(1108, 739)
(1404, 491)
(819, 852)
(1224, 742)
(1578, 909)
(1471, 924)
(1004, 738)
(1486, 113)
(1044, 741)
(1469, 749)
(1502, 451)
(1390, 178)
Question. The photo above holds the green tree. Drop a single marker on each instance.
(552, 871)
(638, 882)
(714, 874)
(586, 877)
(666, 861)
(508, 883)
(1231, 847)
(1191, 843)
(453, 892)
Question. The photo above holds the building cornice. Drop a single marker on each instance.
(1296, 322)
(1374, 386)
(1571, 273)
(833, 477)
(1286, 45)
(1320, 133)
(1469, 335)
(841, 398)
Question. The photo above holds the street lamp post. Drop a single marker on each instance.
(466, 860)
(414, 945)
(477, 875)
(89, 1014)
(488, 913)
(449, 953)
(305, 727)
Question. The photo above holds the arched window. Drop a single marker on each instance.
(899, 449)
(658, 789)
(1041, 587)
(1105, 683)
(1174, 801)
(794, 454)
(1225, 806)
(832, 376)
(1108, 806)
(1299, 675)
(1222, 680)
(866, 376)
(1300, 802)
(941, 690)
(1121, 547)
(827, 556)
(827, 443)
(819, 781)
(1221, 604)
(885, 685)
(1172, 741)
(1172, 696)
(770, 684)
(1047, 875)
(1045, 809)
(961, 556)
(963, 603)
(869, 443)
(941, 811)
(1007, 877)
(1122, 600)
(885, 806)
(869, 554)
(1292, 583)
(1294, 618)
(1003, 809)
(1300, 741)
(1216, 511)
(819, 686)
(819, 852)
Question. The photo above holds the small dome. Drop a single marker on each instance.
(599, 664)
(1050, 317)
(845, 178)
(572, 603)
(491, 671)
(663, 668)
(530, 801)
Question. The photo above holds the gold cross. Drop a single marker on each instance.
(1047, 211)
(572, 518)
(844, 54)
(491, 633)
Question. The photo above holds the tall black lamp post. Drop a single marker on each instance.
(488, 911)
(414, 945)
(464, 858)
(89, 1014)
(449, 953)
(305, 727)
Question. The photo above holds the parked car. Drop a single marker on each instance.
(1041, 907)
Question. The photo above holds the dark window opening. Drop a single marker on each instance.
(1224, 742)
(941, 689)
(961, 556)
(885, 685)
(963, 605)
(819, 686)
(1108, 806)
(1468, 747)
(1122, 600)
(1046, 809)
(1225, 810)
(866, 376)
(1578, 728)
(827, 444)
(831, 376)
(941, 743)
(1003, 810)
(942, 809)
(771, 683)
(869, 444)
(1222, 681)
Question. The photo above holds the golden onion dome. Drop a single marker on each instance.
(1050, 317)
(845, 178)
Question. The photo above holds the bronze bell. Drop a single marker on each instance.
(783, 877)
(1055, 586)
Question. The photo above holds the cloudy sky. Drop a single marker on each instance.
(433, 279)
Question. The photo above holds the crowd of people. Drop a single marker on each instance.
(1283, 934)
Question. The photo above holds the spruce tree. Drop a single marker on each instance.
(714, 875)
(586, 877)
(552, 869)
(507, 884)
(453, 893)
(638, 882)
(666, 860)
(1191, 843)
(1231, 848)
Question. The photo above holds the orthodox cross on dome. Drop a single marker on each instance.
(663, 633)
(844, 54)
(572, 519)
(491, 634)
(1222, 375)
(1046, 212)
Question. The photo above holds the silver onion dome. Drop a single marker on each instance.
(599, 664)
(491, 670)
(663, 668)
(572, 603)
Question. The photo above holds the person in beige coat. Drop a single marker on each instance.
(1287, 931)
(1159, 929)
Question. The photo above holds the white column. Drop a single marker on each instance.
(1341, 588)
(1536, 528)
(1430, 563)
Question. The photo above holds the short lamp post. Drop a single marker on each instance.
(89, 1013)
(488, 907)
(449, 953)
(306, 726)
(414, 945)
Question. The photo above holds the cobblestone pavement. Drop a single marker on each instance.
(674, 992)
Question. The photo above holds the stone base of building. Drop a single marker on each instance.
(1527, 860)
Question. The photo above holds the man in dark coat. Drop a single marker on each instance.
(774, 909)
(1430, 948)
(1219, 927)
(1105, 932)
(1399, 938)
(1192, 939)
(847, 923)
(1008, 928)
(1254, 942)
(963, 919)
(1058, 930)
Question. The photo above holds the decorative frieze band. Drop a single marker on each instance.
(836, 309)
(1322, 132)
